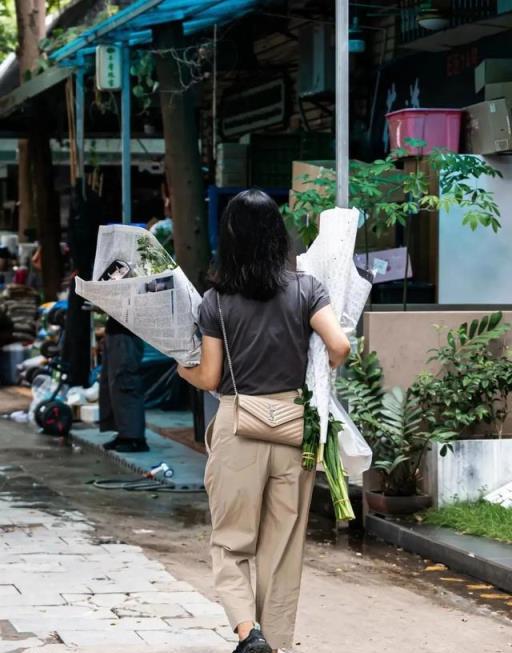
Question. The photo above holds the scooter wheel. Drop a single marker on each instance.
(38, 412)
(55, 417)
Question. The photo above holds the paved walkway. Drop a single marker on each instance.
(63, 589)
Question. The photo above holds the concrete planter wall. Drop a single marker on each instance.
(475, 467)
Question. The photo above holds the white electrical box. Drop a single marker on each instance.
(316, 60)
(108, 67)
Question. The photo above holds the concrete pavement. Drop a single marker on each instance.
(60, 583)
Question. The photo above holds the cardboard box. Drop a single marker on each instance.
(488, 127)
(312, 169)
(491, 71)
(499, 90)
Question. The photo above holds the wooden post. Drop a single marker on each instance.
(182, 160)
(25, 200)
(45, 201)
(30, 21)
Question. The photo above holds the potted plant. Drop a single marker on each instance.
(394, 426)
(469, 394)
(461, 408)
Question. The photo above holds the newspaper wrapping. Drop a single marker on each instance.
(162, 308)
(330, 260)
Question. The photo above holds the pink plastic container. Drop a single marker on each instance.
(437, 127)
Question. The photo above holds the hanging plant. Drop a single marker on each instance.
(143, 69)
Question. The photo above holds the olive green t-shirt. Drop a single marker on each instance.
(268, 340)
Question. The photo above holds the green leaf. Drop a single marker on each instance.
(484, 322)
(495, 319)
(473, 328)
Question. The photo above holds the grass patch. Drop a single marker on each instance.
(480, 518)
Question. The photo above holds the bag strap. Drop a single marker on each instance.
(299, 304)
(225, 338)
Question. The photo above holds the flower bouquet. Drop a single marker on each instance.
(137, 282)
(329, 433)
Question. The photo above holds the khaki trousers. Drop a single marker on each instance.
(259, 501)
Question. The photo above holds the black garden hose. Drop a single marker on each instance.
(145, 485)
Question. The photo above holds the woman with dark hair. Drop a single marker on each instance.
(258, 492)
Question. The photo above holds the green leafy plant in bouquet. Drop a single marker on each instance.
(332, 465)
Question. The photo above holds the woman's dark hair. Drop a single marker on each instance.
(253, 247)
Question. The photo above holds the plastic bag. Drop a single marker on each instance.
(355, 454)
(43, 388)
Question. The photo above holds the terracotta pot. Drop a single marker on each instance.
(387, 505)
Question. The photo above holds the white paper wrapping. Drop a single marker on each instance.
(330, 259)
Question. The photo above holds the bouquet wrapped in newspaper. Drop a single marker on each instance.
(136, 281)
(340, 445)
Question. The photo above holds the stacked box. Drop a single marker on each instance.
(488, 127)
(492, 71)
(232, 165)
(488, 124)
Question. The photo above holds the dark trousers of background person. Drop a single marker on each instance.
(121, 392)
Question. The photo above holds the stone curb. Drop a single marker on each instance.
(479, 557)
(134, 467)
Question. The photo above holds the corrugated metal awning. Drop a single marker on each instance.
(28, 90)
(133, 23)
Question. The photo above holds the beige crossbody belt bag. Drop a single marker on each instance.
(261, 418)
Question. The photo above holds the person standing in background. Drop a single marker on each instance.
(121, 392)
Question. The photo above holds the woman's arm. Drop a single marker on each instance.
(324, 322)
(206, 375)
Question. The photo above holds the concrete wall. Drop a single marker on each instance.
(476, 266)
(402, 339)
(475, 467)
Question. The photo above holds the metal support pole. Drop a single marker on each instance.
(80, 123)
(126, 185)
(342, 103)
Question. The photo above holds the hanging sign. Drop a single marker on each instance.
(108, 68)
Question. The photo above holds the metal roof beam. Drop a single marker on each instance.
(103, 28)
(33, 87)
(160, 16)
